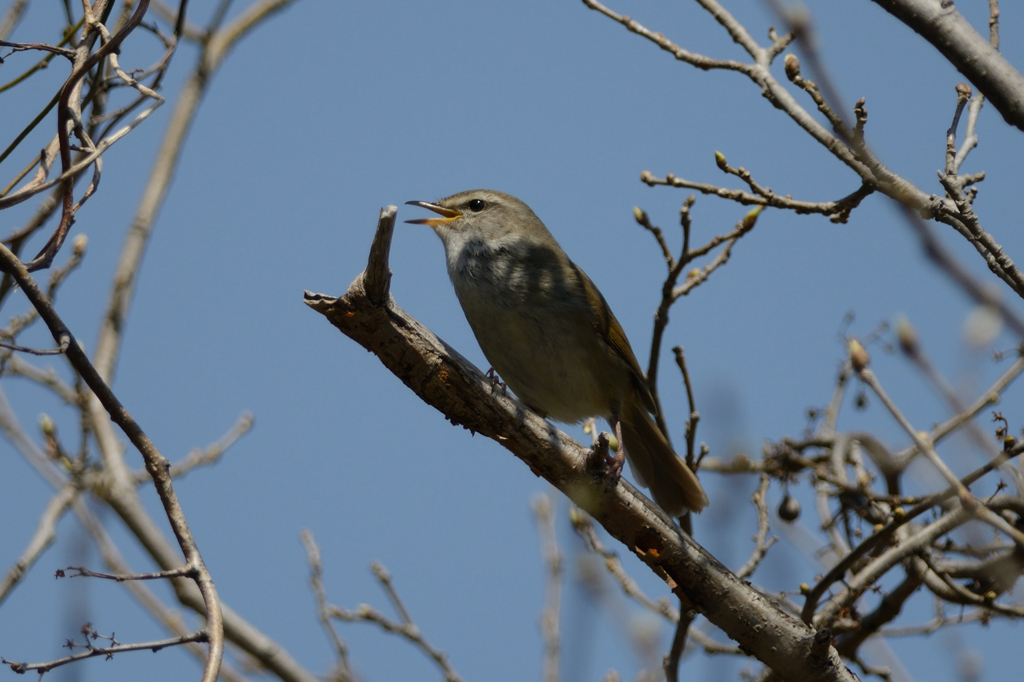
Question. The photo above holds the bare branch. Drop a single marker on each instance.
(32, 351)
(886, 611)
(45, 534)
(928, 449)
(155, 462)
(694, 418)
(975, 57)
(697, 278)
(866, 577)
(670, 664)
(316, 569)
(761, 541)
(106, 652)
(886, 532)
(838, 210)
(544, 512)
(82, 572)
(988, 397)
(211, 454)
(584, 527)
(12, 17)
(406, 628)
(692, 58)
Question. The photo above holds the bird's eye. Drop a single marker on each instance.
(477, 205)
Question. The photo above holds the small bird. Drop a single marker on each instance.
(549, 334)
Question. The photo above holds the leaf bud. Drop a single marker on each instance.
(792, 65)
(751, 218)
(858, 356)
(47, 425)
(907, 337)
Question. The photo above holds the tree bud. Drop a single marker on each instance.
(792, 65)
(858, 356)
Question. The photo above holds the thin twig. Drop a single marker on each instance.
(46, 533)
(383, 576)
(761, 541)
(966, 499)
(683, 55)
(879, 566)
(405, 628)
(31, 351)
(838, 210)
(106, 652)
(82, 572)
(670, 663)
(926, 448)
(544, 511)
(990, 396)
(209, 455)
(694, 418)
(12, 17)
(344, 665)
(584, 527)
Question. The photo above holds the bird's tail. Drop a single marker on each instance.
(654, 464)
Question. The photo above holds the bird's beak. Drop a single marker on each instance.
(447, 213)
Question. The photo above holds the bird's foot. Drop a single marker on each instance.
(600, 456)
(617, 462)
(496, 382)
(602, 459)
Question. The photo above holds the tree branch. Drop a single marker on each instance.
(971, 53)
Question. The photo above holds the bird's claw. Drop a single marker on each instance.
(496, 381)
(602, 459)
(616, 462)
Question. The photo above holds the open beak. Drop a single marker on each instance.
(447, 214)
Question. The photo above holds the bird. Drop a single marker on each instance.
(549, 334)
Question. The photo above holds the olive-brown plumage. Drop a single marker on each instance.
(549, 334)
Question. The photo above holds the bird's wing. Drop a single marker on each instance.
(612, 332)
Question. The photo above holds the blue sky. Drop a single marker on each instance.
(332, 110)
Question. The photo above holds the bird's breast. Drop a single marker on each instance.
(532, 319)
